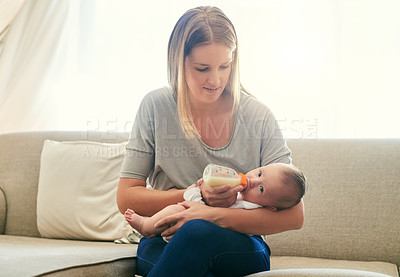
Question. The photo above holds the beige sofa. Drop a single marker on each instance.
(351, 228)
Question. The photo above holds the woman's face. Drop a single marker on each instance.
(207, 70)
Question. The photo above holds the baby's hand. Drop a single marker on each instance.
(219, 196)
(200, 182)
(192, 186)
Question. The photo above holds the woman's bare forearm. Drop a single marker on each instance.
(259, 221)
(134, 195)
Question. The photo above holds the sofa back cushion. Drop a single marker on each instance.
(77, 191)
(19, 173)
(352, 203)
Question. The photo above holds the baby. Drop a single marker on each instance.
(275, 186)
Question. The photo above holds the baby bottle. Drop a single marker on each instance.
(216, 175)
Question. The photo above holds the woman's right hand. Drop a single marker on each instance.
(221, 196)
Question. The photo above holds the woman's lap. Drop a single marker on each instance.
(201, 248)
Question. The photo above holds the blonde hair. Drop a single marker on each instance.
(199, 26)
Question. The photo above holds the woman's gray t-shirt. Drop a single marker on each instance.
(158, 149)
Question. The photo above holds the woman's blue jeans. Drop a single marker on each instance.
(201, 248)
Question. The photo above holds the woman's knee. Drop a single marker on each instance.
(199, 226)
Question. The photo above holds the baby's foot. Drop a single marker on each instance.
(135, 220)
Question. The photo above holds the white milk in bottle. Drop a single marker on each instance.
(217, 175)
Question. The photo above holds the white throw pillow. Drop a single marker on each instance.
(77, 191)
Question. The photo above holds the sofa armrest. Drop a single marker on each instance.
(3, 212)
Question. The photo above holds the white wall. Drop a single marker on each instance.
(326, 68)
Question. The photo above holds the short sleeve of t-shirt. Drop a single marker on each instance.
(139, 157)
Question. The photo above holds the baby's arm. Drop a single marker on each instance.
(193, 193)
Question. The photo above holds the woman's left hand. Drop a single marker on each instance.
(172, 223)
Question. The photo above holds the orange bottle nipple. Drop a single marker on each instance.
(243, 181)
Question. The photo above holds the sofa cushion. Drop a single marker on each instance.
(77, 191)
(27, 256)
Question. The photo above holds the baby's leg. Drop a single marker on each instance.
(145, 225)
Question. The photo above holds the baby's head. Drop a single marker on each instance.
(276, 186)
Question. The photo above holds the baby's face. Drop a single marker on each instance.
(264, 184)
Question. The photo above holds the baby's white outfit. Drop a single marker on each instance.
(194, 194)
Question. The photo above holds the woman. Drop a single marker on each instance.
(204, 117)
